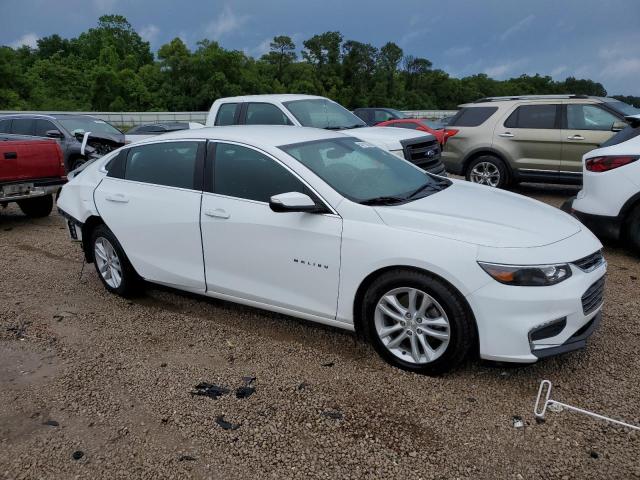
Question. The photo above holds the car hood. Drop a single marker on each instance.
(482, 216)
(387, 138)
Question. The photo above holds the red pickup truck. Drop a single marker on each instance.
(31, 172)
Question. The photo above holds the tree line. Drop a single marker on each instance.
(111, 68)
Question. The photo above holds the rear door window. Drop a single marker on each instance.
(172, 164)
(5, 125)
(22, 126)
(534, 116)
(43, 126)
(472, 116)
(226, 114)
(382, 116)
(265, 114)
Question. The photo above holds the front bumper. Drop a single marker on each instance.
(507, 316)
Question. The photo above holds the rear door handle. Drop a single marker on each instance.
(575, 137)
(217, 213)
(10, 155)
(117, 198)
(506, 135)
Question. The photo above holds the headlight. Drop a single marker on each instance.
(527, 275)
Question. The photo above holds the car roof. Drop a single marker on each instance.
(258, 135)
(281, 97)
(50, 116)
(534, 98)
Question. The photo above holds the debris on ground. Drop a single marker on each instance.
(19, 329)
(77, 455)
(303, 385)
(186, 458)
(209, 390)
(334, 414)
(329, 364)
(247, 390)
(517, 422)
(226, 425)
(51, 423)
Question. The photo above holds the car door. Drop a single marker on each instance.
(150, 199)
(531, 137)
(286, 260)
(585, 127)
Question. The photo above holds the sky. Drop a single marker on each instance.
(596, 39)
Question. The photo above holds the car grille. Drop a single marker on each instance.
(425, 155)
(590, 262)
(593, 297)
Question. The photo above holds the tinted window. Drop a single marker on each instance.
(226, 114)
(43, 126)
(472, 116)
(623, 108)
(151, 129)
(589, 117)
(245, 173)
(22, 126)
(382, 116)
(169, 163)
(323, 113)
(88, 124)
(533, 116)
(265, 114)
(5, 126)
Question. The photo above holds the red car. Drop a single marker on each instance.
(31, 172)
(423, 125)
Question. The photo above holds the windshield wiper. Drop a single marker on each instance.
(357, 125)
(436, 186)
(333, 128)
(384, 200)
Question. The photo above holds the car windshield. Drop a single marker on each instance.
(396, 113)
(94, 125)
(432, 124)
(624, 108)
(323, 113)
(363, 172)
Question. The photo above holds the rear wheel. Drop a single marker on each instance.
(633, 228)
(113, 266)
(488, 170)
(416, 322)
(36, 207)
(77, 163)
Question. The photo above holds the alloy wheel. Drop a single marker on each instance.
(108, 262)
(412, 325)
(485, 173)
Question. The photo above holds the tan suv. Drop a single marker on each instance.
(500, 140)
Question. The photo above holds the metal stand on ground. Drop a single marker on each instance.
(540, 410)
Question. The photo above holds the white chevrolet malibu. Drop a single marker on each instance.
(329, 228)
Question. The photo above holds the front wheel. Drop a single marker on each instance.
(113, 266)
(488, 170)
(417, 322)
(36, 207)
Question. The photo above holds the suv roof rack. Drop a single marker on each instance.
(527, 97)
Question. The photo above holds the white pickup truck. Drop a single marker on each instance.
(419, 148)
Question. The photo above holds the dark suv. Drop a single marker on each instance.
(374, 116)
(69, 130)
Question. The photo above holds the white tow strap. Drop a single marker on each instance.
(84, 142)
(540, 409)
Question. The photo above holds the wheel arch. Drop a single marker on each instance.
(486, 151)
(358, 321)
(87, 229)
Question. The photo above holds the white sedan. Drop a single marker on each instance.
(326, 227)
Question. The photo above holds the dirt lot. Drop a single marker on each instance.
(85, 371)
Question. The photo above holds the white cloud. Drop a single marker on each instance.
(457, 50)
(150, 33)
(411, 35)
(558, 70)
(28, 39)
(502, 69)
(104, 5)
(226, 22)
(521, 25)
(259, 49)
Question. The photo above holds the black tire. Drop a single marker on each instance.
(633, 228)
(462, 331)
(77, 163)
(496, 164)
(130, 281)
(36, 207)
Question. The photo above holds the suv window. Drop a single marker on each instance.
(43, 126)
(5, 125)
(533, 116)
(226, 114)
(382, 116)
(589, 117)
(168, 163)
(472, 116)
(265, 114)
(22, 126)
(245, 173)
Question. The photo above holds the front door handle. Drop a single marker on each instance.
(10, 155)
(575, 137)
(217, 213)
(117, 198)
(506, 135)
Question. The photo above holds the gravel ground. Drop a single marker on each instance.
(87, 374)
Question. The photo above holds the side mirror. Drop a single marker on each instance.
(617, 126)
(293, 202)
(54, 134)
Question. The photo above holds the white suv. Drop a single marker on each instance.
(329, 228)
(609, 202)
